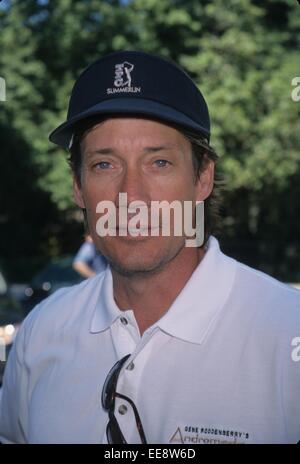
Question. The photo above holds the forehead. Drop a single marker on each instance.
(137, 131)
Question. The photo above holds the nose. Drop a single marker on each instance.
(134, 185)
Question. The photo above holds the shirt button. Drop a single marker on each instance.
(122, 409)
(130, 366)
(124, 320)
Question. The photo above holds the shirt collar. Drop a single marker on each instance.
(202, 298)
(106, 311)
(195, 308)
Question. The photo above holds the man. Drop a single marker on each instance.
(172, 343)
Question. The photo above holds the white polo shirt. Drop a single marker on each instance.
(218, 367)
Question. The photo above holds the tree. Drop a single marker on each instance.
(243, 55)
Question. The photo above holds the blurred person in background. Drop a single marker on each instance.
(88, 261)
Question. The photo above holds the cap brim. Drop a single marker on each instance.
(131, 106)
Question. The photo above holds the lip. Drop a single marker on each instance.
(129, 237)
(139, 236)
(142, 229)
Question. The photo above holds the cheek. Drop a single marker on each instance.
(91, 200)
(94, 191)
(93, 194)
(175, 189)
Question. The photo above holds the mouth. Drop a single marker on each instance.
(137, 233)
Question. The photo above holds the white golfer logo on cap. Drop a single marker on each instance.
(122, 81)
(123, 74)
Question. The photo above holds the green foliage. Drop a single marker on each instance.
(243, 55)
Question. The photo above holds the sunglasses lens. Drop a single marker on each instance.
(113, 433)
(108, 393)
(109, 387)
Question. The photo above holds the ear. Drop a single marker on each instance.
(77, 192)
(205, 183)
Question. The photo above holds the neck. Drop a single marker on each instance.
(150, 296)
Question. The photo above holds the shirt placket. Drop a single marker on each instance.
(125, 337)
(130, 384)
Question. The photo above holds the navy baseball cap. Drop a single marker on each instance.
(134, 83)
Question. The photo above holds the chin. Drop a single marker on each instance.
(134, 267)
(142, 260)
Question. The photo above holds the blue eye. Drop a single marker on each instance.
(161, 163)
(103, 165)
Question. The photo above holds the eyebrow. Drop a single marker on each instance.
(111, 151)
(158, 148)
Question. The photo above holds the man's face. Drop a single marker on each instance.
(148, 161)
